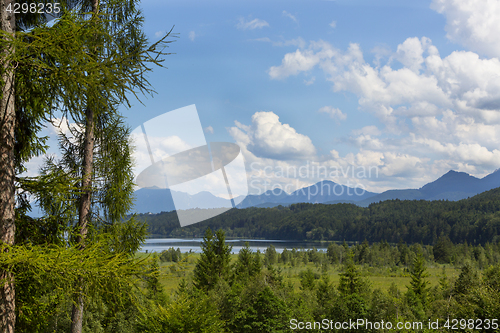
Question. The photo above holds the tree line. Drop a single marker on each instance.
(475, 221)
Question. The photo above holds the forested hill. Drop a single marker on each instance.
(475, 220)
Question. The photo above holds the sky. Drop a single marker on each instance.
(387, 94)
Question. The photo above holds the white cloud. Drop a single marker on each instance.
(192, 36)
(426, 84)
(472, 23)
(267, 151)
(209, 129)
(294, 63)
(287, 14)
(439, 112)
(335, 154)
(380, 52)
(267, 137)
(333, 24)
(159, 34)
(33, 166)
(161, 147)
(402, 165)
(410, 53)
(251, 25)
(63, 126)
(334, 113)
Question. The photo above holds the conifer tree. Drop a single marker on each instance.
(351, 281)
(7, 173)
(418, 283)
(247, 265)
(54, 70)
(213, 264)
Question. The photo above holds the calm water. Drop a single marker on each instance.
(193, 244)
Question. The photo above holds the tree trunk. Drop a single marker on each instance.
(85, 202)
(84, 213)
(7, 173)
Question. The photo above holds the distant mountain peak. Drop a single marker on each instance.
(326, 181)
(454, 173)
(452, 181)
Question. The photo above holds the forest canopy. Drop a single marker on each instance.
(475, 220)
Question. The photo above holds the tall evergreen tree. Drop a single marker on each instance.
(213, 264)
(123, 21)
(247, 265)
(7, 174)
(11, 125)
(418, 283)
(54, 71)
(351, 281)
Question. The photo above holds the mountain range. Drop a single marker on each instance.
(451, 186)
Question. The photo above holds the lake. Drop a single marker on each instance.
(193, 244)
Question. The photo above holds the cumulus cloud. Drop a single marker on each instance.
(268, 137)
(426, 84)
(275, 153)
(410, 53)
(209, 129)
(472, 23)
(334, 113)
(333, 24)
(160, 147)
(251, 25)
(380, 52)
(294, 63)
(438, 111)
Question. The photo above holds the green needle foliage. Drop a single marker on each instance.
(213, 264)
(418, 282)
(82, 60)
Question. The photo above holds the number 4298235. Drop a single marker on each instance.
(40, 8)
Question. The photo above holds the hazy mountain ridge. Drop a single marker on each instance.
(451, 186)
(320, 192)
(473, 220)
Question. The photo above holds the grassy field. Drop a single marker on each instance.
(378, 277)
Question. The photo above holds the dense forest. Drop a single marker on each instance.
(332, 291)
(474, 220)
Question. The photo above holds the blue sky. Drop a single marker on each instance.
(409, 87)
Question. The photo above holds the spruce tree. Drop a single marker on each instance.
(213, 264)
(350, 281)
(418, 283)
